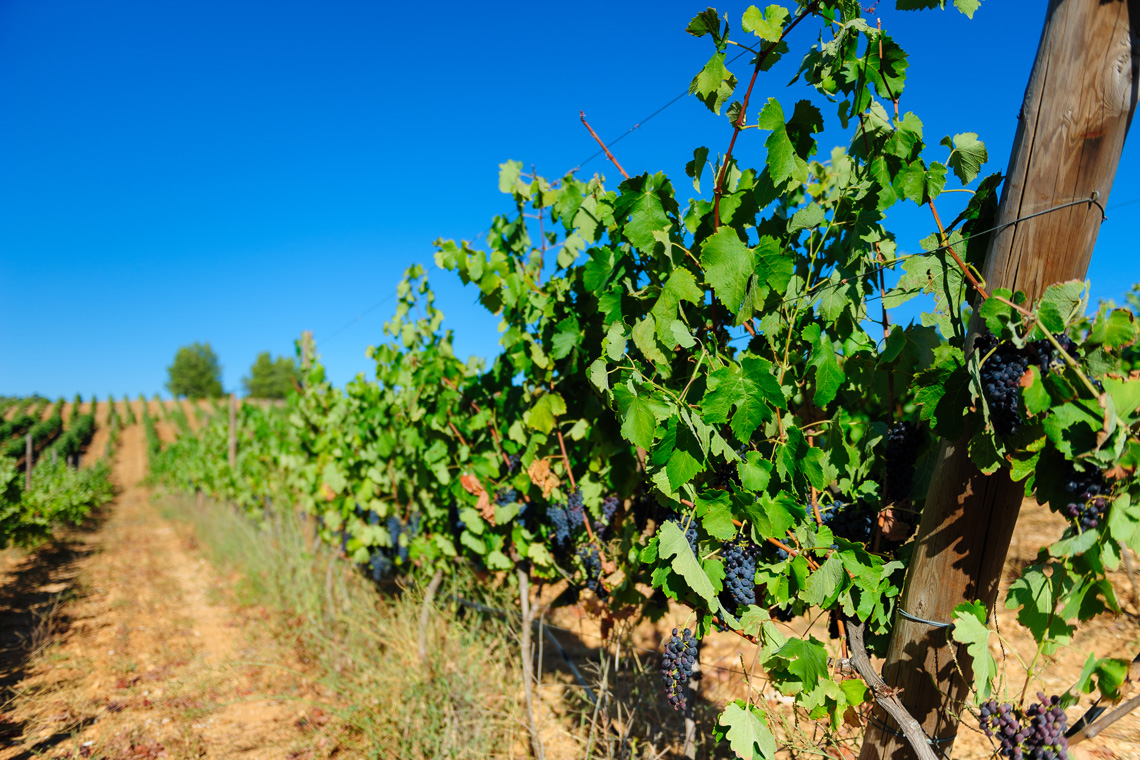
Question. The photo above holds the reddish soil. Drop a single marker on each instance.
(122, 641)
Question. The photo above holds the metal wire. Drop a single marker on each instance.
(933, 624)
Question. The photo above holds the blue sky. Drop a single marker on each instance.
(238, 172)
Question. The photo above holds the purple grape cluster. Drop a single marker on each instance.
(853, 522)
(1001, 382)
(576, 508)
(1045, 356)
(609, 508)
(560, 522)
(592, 563)
(902, 453)
(740, 572)
(506, 496)
(1088, 505)
(677, 667)
(1036, 734)
(513, 462)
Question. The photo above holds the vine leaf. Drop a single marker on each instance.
(747, 731)
(638, 424)
(751, 388)
(541, 415)
(970, 629)
(767, 25)
(784, 163)
(672, 543)
(967, 154)
(728, 264)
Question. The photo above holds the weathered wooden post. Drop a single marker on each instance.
(1077, 109)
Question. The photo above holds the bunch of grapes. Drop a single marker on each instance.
(560, 522)
(1038, 733)
(576, 508)
(902, 453)
(609, 508)
(379, 564)
(677, 667)
(513, 462)
(853, 522)
(1045, 356)
(592, 563)
(1001, 382)
(394, 530)
(740, 572)
(506, 496)
(1088, 505)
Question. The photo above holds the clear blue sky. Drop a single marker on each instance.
(237, 172)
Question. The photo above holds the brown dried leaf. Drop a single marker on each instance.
(485, 508)
(471, 484)
(1119, 472)
(542, 476)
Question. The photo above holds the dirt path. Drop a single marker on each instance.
(137, 650)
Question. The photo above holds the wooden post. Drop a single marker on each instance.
(1077, 108)
(28, 463)
(306, 349)
(233, 430)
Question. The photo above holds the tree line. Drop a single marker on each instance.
(196, 372)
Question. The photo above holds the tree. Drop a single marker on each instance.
(195, 372)
(271, 379)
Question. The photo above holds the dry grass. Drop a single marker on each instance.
(460, 702)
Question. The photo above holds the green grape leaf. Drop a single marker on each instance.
(967, 155)
(825, 583)
(728, 263)
(714, 83)
(638, 423)
(970, 629)
(541, 415)
(747, 732)
(754, 472)
(829, 376)
(715, 514)
(784, 163)
(672, 543)
(768, 25)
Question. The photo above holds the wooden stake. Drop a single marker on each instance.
(1075, 116)
(528, 618)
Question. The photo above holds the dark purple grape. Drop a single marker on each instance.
(740, 572)
(1038, 732)
(1086, 490)
(677, 667)
(592, 563)
(853, 522)
(1001, 382)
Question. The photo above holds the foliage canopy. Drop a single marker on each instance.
(195, 373)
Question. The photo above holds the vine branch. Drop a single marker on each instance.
(884, 695)
(738, 125)
(609, 155)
